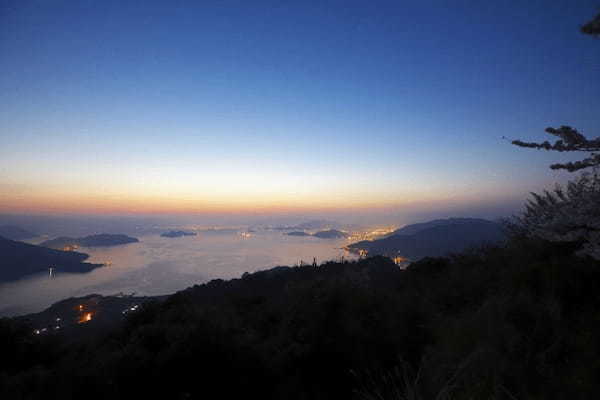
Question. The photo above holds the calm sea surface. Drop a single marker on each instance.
(158, 265)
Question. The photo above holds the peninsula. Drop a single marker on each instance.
(101, 240)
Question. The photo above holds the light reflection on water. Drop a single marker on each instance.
(160, 265)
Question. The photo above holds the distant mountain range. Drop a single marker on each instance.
(101, 240)
(309, 225)
(176, 234)
(20, 259)
(316, 224)
(15, 233)
(329, 234)
(434, 238)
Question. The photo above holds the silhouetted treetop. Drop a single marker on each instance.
(567, 214)
(592, 27)
(570, 140)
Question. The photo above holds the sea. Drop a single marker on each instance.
(158, 266)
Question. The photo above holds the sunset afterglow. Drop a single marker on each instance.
(194, 117)
(299, 200)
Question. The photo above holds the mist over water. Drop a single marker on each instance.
(157, 266)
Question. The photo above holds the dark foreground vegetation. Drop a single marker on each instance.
(515, 322)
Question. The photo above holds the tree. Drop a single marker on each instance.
(592, 27)
(570, 138)
(570, 214)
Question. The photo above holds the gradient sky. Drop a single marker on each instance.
(232, 106)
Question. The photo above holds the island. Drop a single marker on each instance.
(309, 225)
(101, 240)
(176, 234)
(21, 259)
(298, 233)
(331, 234)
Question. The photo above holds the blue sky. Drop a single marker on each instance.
(162, 106)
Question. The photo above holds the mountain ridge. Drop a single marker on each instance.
(433, 238)
(14, 232)
(99, 240)
(21, 259)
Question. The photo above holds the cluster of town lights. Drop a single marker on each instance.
(84, 316)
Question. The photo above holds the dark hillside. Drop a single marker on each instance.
(434, 239)
(19, 259)
(512, 322)
(411, 229)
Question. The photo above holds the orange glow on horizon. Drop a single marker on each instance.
(142, 208)
(76, 203)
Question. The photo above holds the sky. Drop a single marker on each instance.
(179, 107)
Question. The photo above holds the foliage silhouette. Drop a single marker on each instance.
(519, 320)
(570, 139)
